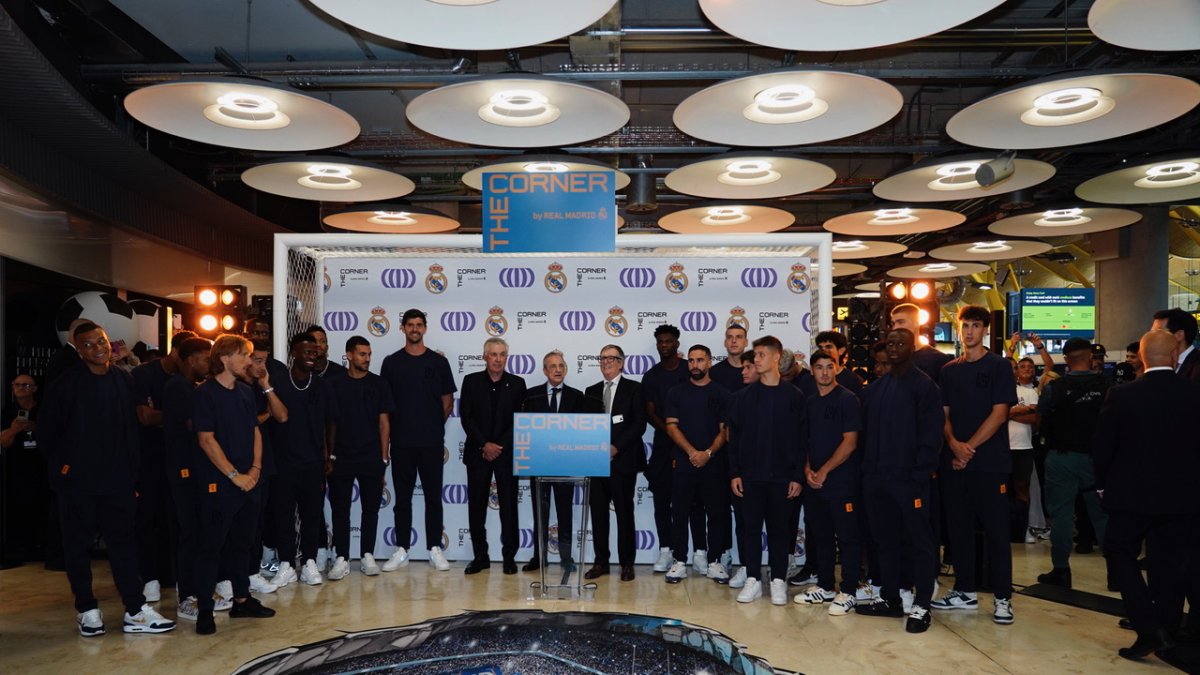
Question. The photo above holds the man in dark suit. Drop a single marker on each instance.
(1147, 457)
(555, 397)
(1182, 326)
(626, 404)
(488, 401)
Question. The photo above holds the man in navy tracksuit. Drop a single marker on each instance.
(902, 434)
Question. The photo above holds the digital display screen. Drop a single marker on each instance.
(1059, 313)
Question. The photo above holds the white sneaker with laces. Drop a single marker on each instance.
(815, 596)
(152, 591)
(147, 621)
(906, 600)
(260, 584)
(778, 592)
(339, 570)
(399, 559)
(867, 592)
(323, 559)
(677, 573)
(368, 566)
(438, 559)
(309, 574)
(739, 578)
(956, 600)
(842, 605)
(1003, 614)
(751, 591)
(716, 572)
(91, 623)
(224, 589)
(665, 558)
(188, 609)
(1030, 537)
(285, 575)
(222, 603)
(700, 562)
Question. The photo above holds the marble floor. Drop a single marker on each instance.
(38, 635)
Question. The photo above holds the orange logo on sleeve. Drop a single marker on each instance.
(849, 507)
(183, 473)
(212, 488)
(917, 503)
(65, 469)
(1003, 488)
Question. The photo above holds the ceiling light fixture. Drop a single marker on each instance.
(989, 247)
(541, 163)
(243, 110)
(1072, 105)
(519, 108)
(725, 215)
(785, 104)
(328, 177)
(963, 177)
(902, 216)
(388, 218)
(1170, 175)
(749, 175)
(726, 218)
(959, 176)
(749, 172)
(1173, 178)
(546, 167)
(1161, 26)
(938, 268)
(849, 246)
(1062, 218)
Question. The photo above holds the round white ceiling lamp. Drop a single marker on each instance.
(540, 164)
(936, 270)
(727, 219)
(953, 178)
(750, 175)
(1074, 109)
(327, 179)
(791, 106)
(475, 25)
(389, 218)
(517, 111)
(841, 269)
(1172, 178)
(838, 25)
(1159, 26)
(245, 113)
(990, 249)
(1061, 221)
(887, 220)
(872, 287)
(858, 249)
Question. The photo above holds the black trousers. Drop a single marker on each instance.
(157, 531)
(227, 520)
(262, 534)
(749, 549)
(942, 547)
(564, 494)
(708, 486)
(971, 496)
(341, 493)
(113, 516)
(660, 477)
(618, 490)
(829, 516)
(479, 488)
(1171, 548)
(298, 489)
(898, 509)
(767, 503)
(407, 465)
(186, 499)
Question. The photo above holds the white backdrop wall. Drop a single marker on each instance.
(538, 303)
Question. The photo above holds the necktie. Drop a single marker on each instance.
(608, 394)
(554, 399)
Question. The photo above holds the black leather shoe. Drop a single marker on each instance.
(477, 566)
(1059, 576)
(626, 572)
(1125, 624)
(205, 624)
(531, 566)
(881, 607)
(596, 572)
(1146, 644)
(510, 567)
(250, 609)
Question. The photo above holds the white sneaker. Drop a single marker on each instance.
(867, 592)
(1030, 536)
(309, 574)
(399, 559)
(751, 591)
(188, 609)
(778, 592)
(677, 573)
(842, 605)
(368, 565)
(259, 584)
(284, 576)
(716, 572)
(727, 559)
(739, 578)
(152, 591)
(956, 600)
(1003, 613)
(906, 600)
(815, 596)
(665, 559)
(224, 591)
(91, 623)
(438, 560)
(700, 562)
(147, 621)
(339, 570)
(323, 559)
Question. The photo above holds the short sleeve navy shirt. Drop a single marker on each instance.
(418, 384)
(230, 415)
(699, 410)
(969, 390)
(361, 401)
(827, 418)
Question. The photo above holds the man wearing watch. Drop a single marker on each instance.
(227, 429)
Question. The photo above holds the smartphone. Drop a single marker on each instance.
(22, 414)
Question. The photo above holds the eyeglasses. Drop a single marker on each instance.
(610, 359)
(24, 385)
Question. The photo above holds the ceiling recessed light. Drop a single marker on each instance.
(726, 215)
(1062, 218)
(244, 110)
(749, 172)
(328, 177)
(1068, 106)
(546, 167)
(519, 108)
(989, 247)
(901, 216)
(1169, 175)
(785, 104)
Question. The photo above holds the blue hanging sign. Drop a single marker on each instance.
(536, 212)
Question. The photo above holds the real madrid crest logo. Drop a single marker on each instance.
(435, 281)
(798, 280)
(496, 324)
(493, 497)
(328, 282)
(737, 317)
(556, 281)
(378, 325)
(676, 281)
(616, 323)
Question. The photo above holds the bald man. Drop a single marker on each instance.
(1147, 458)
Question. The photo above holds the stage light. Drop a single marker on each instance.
(221, 308)
(206, 297)
(920, 290)
(923, 317)
(899, 291)
(208, 323)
